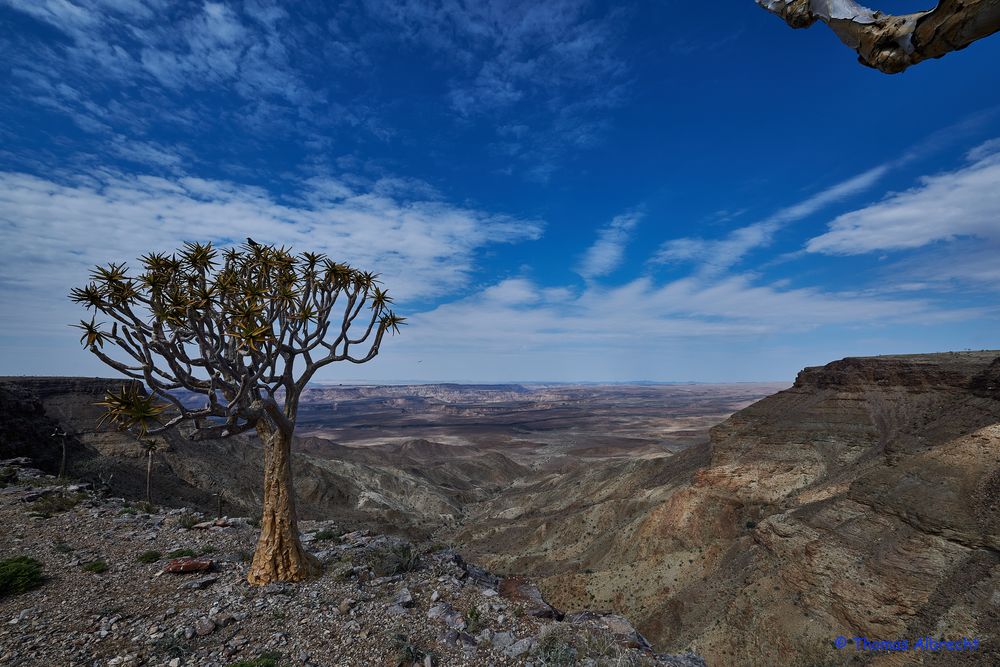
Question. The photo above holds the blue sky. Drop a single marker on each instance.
(554, 191)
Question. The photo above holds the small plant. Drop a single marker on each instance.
(55, 503)
(96, 566)
(555, 645)
(175, 647)
(206, 550)
(113, 610)
(324, 534)
(182, 553)
(751, 525)
(473, 620)
(19, 574)
(62, 547)
(149, 557)
(188, 520)
(128, 509)
(397, 559)
(146, 507)
(244, 556)
(264, 660)
(407, 652)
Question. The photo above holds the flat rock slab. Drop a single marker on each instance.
(201, 582)
(185, 565)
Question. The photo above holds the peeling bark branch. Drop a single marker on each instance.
(889, 43)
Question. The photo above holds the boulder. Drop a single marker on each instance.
(519, 589)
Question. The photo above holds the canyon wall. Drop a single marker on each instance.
(862, 501)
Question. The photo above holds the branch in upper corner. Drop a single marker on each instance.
(889, 43)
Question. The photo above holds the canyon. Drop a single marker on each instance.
(748, 524)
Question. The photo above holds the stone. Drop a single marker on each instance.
(445, 612)
(397, 610)
(176, 662)
(224, 619)
(481, 576)
(520, 589)
(345, 605)
(202, 582)
(189, 632)
(278, 588)
(520, 647)
(204, 626)
(403, 598)
(435, 596)
(502, 640)
(185, 565)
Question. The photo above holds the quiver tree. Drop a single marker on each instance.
(892, 43)
(247, 335)
(149, 447)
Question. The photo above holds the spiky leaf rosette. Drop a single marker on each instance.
(243, 328)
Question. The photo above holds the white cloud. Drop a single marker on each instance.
(606, 254)
(685, 329)
(984, 150)
(944, 207)
(718, 255)
(53, 232)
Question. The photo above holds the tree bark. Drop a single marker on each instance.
(279, 555)
(889, 43)
(149, 477)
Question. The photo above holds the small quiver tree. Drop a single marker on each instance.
(247, 335)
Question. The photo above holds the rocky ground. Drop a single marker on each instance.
(128, 585)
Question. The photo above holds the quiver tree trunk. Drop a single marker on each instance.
(279, 555)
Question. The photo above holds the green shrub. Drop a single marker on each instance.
(182, 553)
(54, 503)
(206, 550)
(128, 509)
(393, 560)
(175, 647)
(146, 507)
(324, 534)
(96, 566)
(19, 574)
(149, 556)
(473, 620)
(188, 520)
(62, 547)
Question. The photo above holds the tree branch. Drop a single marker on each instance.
(889, 43)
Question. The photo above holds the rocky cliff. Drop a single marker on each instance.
(863, 501)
